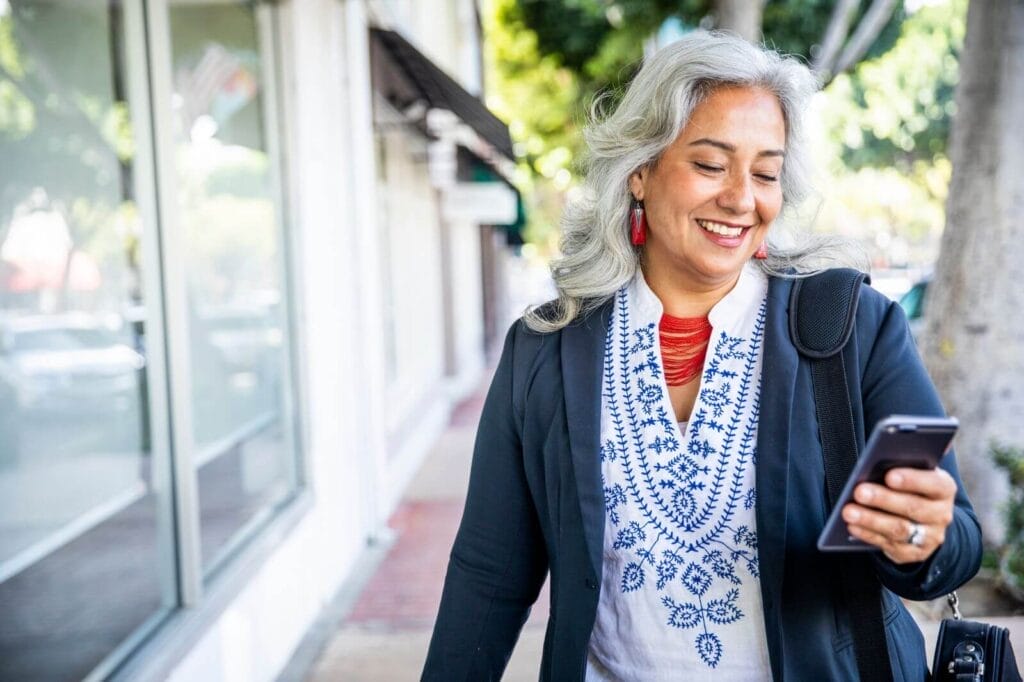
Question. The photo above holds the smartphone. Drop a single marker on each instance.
(897, 441)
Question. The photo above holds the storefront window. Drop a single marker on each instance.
(96, 539)
(230, 217)
(83, 517)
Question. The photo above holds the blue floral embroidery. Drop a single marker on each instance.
(632, 577)
(607, 451)
(668, 567)
(629, 536)
(696, 579)
(751, 497)
(613, 497)
(685, 494)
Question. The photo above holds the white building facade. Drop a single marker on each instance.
(249, 261)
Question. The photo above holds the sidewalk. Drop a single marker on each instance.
(384, 635)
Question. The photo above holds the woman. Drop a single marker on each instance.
(650, 437)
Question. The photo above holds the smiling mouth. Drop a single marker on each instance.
(721, 228)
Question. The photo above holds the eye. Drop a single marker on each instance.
(706, 167)
(766, 177)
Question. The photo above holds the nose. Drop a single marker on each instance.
(737, 195)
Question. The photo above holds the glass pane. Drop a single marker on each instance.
(79, 561)
(231, 224)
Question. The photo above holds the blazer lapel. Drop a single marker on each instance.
(778, 384)
(582, 364)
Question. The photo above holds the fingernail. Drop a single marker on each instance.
(852, 514)
(864, 494)
(896, 479)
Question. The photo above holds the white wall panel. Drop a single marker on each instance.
(467, 307)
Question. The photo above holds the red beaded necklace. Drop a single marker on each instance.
(684, 344)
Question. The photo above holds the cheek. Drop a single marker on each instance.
(770, 205)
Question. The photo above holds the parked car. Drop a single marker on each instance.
(913, 302)
(69, 378)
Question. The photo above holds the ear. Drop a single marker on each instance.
(636, 183)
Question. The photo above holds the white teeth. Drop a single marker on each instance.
(719, 228)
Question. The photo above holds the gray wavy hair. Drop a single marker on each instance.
(597, 256)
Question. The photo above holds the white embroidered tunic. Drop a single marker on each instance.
(680, 594)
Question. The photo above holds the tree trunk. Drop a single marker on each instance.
(871, 24)
(835, 35)
(742, 17)
(974, 335)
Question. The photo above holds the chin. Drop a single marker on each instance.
(721, 270)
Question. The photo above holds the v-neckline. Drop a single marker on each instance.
(666, 398)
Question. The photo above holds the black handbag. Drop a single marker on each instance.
(968, 651)
(822, 311)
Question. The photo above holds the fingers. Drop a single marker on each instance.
(893, 528)
(882, 515)
(907, 505)
(898, 550)
(935, 484)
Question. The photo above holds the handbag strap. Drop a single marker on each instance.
(953, 599)
(822, 310)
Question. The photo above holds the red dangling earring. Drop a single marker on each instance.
(762, 251)
(637, 223)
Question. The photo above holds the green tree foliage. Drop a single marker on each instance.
(896, 110)
(539, 98)
(596, 38)
(883, 142)
(797, 26)
(1011, 564)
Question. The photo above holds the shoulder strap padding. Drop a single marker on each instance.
(822, 309)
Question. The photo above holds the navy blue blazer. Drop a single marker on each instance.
(536, 505)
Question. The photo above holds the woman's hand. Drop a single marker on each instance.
(913, 502)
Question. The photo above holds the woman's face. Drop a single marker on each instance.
(712, 196)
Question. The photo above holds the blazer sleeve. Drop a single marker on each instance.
(896, 382)
(498, 562)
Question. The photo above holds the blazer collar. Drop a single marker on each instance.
(582, 358)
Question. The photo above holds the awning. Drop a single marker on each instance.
(405, 77)
(496, 201)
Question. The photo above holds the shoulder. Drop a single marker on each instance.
(537, 352)
(594, 311)
(876, 311)
(873, 299)
(825, 300)
(546, 311)
(529, 350)
(869, 299)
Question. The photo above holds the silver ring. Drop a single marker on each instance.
(916, 536)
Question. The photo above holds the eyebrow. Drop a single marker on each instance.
(732, 148)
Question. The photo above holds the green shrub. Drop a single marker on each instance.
(1011, 562)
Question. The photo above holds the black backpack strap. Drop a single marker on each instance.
(822, 310)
